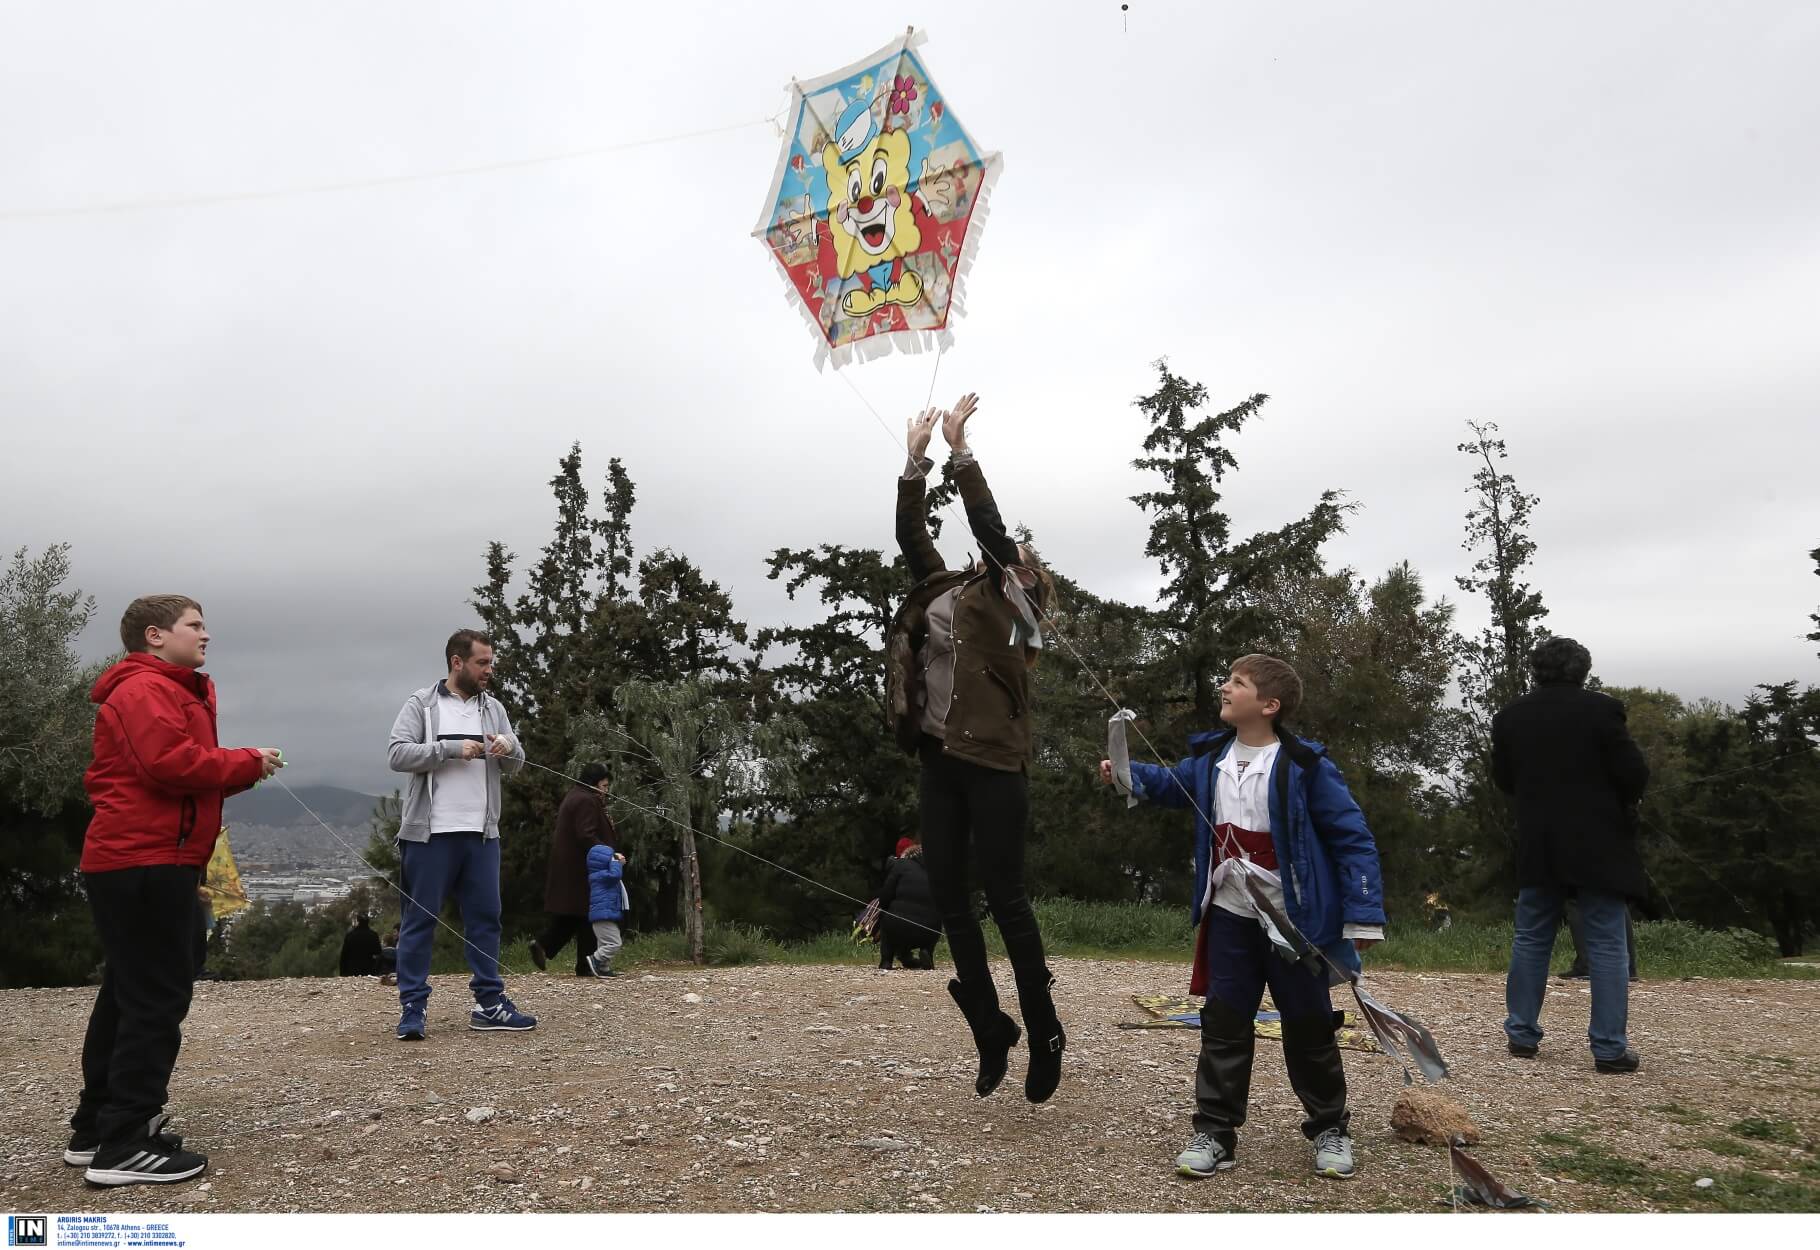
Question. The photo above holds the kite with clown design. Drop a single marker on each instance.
(876, 206)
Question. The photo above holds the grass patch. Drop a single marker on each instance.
(1680, 1115)
(1666, 949)
(1595, 1165)
(1730, 1147)
(1734, 1190)
(1755, 1191)
(1079, 930)
(1783, 1132)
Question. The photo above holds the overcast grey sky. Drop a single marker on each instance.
(1597, 225)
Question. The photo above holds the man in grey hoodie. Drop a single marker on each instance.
(454, 740)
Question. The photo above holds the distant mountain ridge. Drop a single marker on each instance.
(271, 807)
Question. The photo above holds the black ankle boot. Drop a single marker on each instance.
(1047, 1040)
(994, 1033)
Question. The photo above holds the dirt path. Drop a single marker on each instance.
(844, 1089)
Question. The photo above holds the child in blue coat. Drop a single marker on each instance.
(607, 905)
(1276, 802)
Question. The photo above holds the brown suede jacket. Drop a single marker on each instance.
(989, 721)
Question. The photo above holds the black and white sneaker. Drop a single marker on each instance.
(83, 1145)
(158, 1158)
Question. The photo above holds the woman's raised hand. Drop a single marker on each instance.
(954, 422)
(920, 429)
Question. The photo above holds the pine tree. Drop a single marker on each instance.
(1213, 603)
(1495, 664)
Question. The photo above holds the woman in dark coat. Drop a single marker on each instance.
(908, 923)
(957, 679)
(581, 823)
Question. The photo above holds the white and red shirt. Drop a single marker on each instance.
(1241, 830)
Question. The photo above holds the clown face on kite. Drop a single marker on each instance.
(875, 205)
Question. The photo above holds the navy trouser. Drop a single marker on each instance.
(467, 866)
(1240, 963)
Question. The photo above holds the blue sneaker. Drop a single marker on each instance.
(502, 1015)
(410, 1024)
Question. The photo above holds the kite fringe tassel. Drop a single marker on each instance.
(909, 342)
(976, 226)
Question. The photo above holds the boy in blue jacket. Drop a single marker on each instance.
(1275, 801)
(606, 906)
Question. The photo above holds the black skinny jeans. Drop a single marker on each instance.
(973, 812)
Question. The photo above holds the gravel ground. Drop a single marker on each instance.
(844, 1089)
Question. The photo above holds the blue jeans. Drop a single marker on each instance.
(468, 865)
(1607, 957)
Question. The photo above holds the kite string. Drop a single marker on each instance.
(356, 184)
(667, 818)
(1054, 629)
(1062, 637)
(929, 399)
(381, 876)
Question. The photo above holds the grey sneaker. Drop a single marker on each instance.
(1205, 1155)
(1333, 1154)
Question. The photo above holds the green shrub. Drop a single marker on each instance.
(729, 945)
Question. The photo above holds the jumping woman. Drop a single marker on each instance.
(958, 661)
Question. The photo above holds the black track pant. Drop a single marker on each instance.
(147, 920)
(561, 929)
(970, 812)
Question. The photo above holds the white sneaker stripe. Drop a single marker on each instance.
(131, 1163)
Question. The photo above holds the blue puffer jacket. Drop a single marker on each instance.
(606, 897)
(1327, 859)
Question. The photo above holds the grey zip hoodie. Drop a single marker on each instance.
(416, 751)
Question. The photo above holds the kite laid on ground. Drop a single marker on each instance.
(876, 206)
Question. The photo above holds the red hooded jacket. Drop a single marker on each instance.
(158, 777)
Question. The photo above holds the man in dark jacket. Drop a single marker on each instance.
(909, 925)
(360, 949)
(1564, 753)
(581, 824)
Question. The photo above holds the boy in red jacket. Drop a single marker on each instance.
(156, 783)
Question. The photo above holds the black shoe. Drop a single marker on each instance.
(1523, 1051)
(81, 1150)
(994, 1034)
(1047, 1041)
(158, 1158)
(538, 957)
(84, 1144)
(1628, 1062)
